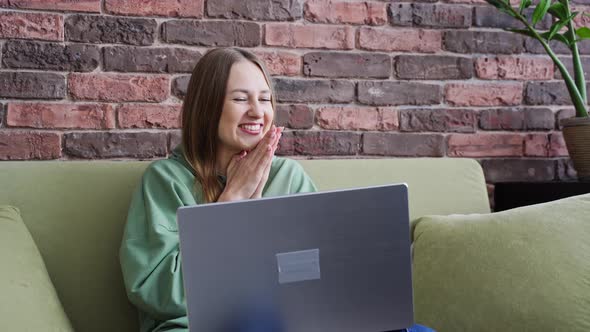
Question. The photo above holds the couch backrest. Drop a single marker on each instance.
(435, 185)
(76, 211)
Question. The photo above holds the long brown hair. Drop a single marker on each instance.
(201, 112)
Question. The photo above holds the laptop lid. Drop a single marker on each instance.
(325, 261)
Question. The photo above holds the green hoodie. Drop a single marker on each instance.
(149, 252)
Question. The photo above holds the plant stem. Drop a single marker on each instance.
(577, 99)
(578, 70)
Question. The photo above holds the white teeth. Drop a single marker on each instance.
(251, 127)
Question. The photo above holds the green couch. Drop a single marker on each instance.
(75, 212)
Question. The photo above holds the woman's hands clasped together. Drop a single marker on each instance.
(248, 171)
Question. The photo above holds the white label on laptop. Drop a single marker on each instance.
(298, 265)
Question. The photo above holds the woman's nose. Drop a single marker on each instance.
(255, 109)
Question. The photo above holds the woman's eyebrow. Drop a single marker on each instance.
(246, 91)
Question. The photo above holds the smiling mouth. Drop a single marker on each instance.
(252, 129)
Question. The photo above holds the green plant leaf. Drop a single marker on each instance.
(557, 26)
(557, 36)
(502, 5)
(524, 4)
(583, 33)
(540, 11)
(554, 30)
(562, 38)
(497, 3)
(558, 10)
(523, 32)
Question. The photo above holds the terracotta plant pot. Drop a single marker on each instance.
(576, 132)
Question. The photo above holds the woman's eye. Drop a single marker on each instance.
(240, 99)
(265, 100)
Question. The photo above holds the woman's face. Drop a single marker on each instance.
(247, 110)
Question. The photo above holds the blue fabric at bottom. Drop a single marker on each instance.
(419, 328)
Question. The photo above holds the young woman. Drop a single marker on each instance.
(226, 154)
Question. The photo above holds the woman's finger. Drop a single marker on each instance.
(263, 180)
(264, 146)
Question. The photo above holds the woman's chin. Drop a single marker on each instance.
(248, 145)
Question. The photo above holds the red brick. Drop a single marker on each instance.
(366, 12)
(485, 41)
(314, 91)
(152, 59)
(211, 33)
(536, 145)
(63, 5)
(180, 85)
(18, 145)
(168, 8)
(389, 119)
(104, 29)
(31, 26)
(430, 15)
(485, 145)
(32, 85)
(513, 2)
(357, 118)
(403, 145)
(433, 67)
(518, 169)
(581, 20)
(340, 64)
(256, 10)
(281, 62)
(467, 1)
(327, 143)
(47, 115)
(515, 119)
(26, 54)
(490, 17)
(557, 146)
(174, 139)
(95, 145)
(547, 93)
(298, 116)
(532, 45)
(514, 68)
(438, 120)
(501, 119)
(539, 119)
(382, 93)
(491, 94)
(309, 36)
(118, 87)
(402, 40)
(149, 116)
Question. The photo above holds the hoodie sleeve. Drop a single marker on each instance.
(149, 252)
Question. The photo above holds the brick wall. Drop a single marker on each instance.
(101, 79)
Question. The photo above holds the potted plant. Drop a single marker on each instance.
(576, 130)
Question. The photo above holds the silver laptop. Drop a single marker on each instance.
(313, 262)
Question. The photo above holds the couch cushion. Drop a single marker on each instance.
(526, 269)
(75, 212)
(28, 301)
(435, 185)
